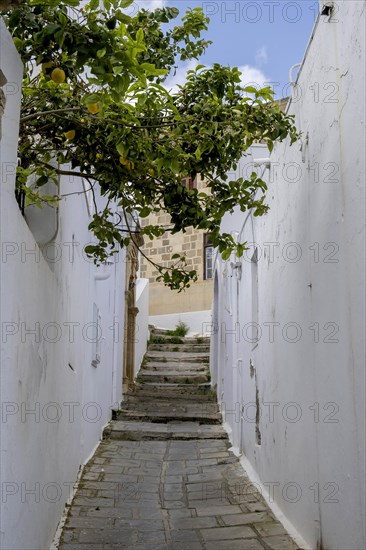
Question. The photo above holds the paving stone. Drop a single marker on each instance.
(169, 505)
(214, 454)
(257, 506)
(203, 496)
(212, 476)
(109, 513)
(194, 523)
(227, 533)
(281, 543)
(95, 502)
(152, 546)
(90, 523)
(146, 513)
(120, 478)
(243, 519)
(184, 536)
(139, 524)
(244, 544)
(151, 537)
(105, 536)
(222, 510)
(175, 496)
(182, 513)
(271, 528)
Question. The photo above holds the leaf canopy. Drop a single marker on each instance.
(109, 118)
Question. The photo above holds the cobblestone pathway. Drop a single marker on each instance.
(163, 478)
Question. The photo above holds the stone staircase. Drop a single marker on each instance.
(172, 397)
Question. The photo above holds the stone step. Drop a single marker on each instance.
(201, 392)
(174, 364)
(183, 339)
(182, 348)
(184, 377)
(163, 417)
(174, 367)
(137, 431)
(177, 357)
(166, 406)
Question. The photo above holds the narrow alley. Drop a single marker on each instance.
(164, 477)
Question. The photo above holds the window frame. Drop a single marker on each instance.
(207, 245)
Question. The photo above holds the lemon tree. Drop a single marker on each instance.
(94, 101)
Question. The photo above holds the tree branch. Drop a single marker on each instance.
(54, 111)
(69, 172)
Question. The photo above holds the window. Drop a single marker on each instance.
(208, 257)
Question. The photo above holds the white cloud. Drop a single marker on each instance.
(251, 76)
(150, 4)
(261, 56)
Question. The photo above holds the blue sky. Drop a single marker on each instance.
(262, 37)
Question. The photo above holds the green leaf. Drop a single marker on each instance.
(92, 5)
(42, 181)
(144, 212)
(226, 255)
(250, 90)
(122, 149)
(101, 53)
(140, 36)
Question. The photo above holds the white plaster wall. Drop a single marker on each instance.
(199, 322)
(306, 377)
(142, 325)
(50, 371)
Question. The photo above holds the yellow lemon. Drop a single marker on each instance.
(70, 134)
(130, 165)
(93, 108)
(151, 171)
(58, 76)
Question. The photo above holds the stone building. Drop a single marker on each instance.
(195, 246)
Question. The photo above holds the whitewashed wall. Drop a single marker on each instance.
(54, 401)
(294, 399)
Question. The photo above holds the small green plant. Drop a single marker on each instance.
(181, 329)
(156, 340)
(174, 340)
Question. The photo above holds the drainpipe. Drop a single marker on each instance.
(291, 78)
